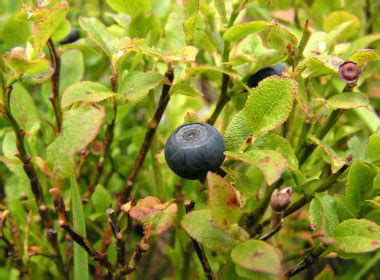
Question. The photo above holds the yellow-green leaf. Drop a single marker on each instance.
(223, 200)
(45, 26)
(348, 100)
(85, 92)
(198, 224)
(79, 128)
(267, 107)
(238, 31)
(361, 57)
(358, 236)
(257, 256)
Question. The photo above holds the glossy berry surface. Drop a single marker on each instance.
(260, 75)
(71, 38)
(193, 149)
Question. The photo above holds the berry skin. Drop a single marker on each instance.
(71, 38)
(349, 72)
(193, 149)
(275, 70)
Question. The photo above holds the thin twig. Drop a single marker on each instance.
(224, 98)
(189, 206)
(98, 256)
(112, 218)
(55, 97)
(252, 219)
(140, 249)
(33, 178)
(332, 119)
(152, 127)
(331, 180)
(13, 245)
(106, 153)
(310, 259)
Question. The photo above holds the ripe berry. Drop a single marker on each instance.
(193, 149)
(71, 38)
(349, 72)
(260, 75)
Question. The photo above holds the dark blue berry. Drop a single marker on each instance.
(260, 75)
(71, 38)
(193, 149)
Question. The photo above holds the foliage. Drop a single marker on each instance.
(85, 190)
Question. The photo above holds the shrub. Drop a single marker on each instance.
(92, 90)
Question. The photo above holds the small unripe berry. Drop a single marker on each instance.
(193, 149)
(275, 70)
(349, 72)
(280, 200)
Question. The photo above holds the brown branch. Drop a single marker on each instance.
(189, 206)
(123, 196)
(33, 179)
(55, 97)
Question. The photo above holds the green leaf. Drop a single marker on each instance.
(191, 6)
(336, 18)
(79, 128)
(277, 143)
(184, 54)
(359, 182)
(80, 255)
(136, 85)
(358, 236)
(45, 26)
(196, 70)
(101, 199)
(156, 217)
(267, 107)
(257, 256)
(362, 42)
(369, 117)
(323, 65)
(238, 31)
(323, 216)
(336, 161)
(223, 200)
(270, 163)
(72, 68)
(17, 28)
(99, 34)
(278, 37)
(335, 33)
(185, 89)
(348, 100)
(21, 65)
(221, 7)
(131, 7)
(361, 57)
(24, 109)
(174, 32)
(326, 274)
(373, 148)
(198, 224)
(85, 92)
